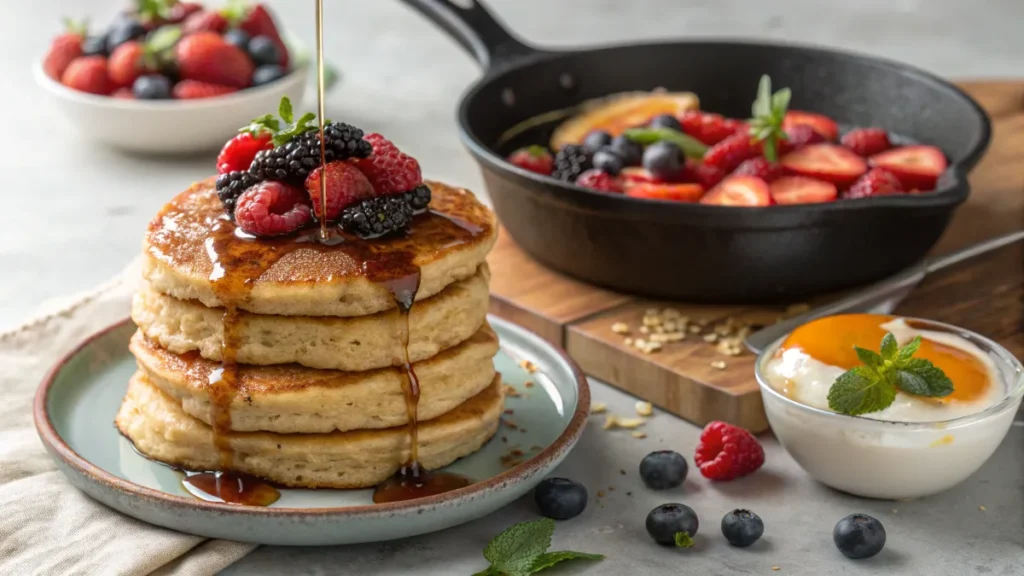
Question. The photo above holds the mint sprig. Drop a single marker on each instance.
(768, 111)
(284, 129)
(872, 386)
(691, 147)
(521, 550)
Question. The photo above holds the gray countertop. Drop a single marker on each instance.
(73, 215)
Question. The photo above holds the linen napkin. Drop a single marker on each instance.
(47, 526)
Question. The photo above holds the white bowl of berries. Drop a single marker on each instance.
(172, 77)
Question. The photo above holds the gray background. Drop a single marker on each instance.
(73, 214)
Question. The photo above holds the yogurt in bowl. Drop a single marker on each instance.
(913, 447)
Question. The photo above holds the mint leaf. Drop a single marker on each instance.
(549, 559)
(907, 351)
(691, 147)
(769, 111)
(489, 571)
(780, 101)
(284, 110)
(889, 346)
(514, 551)
(922, 378)
(683, 540)
(870, 358)
(859, 391)
(265, 123)
(762, 105)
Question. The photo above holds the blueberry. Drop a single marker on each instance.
(94, 46)
(631, 152)
(666, 121)
(742, 527)
(663, 160)
(264, 51)
(605, 159)
(667, 520)
(123, 30)
(560, 498)
(152, 87)
(663, 469)
(859, 536)
(267, 74)
(596, 140)
(238, 37)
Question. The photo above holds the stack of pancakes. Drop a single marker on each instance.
(286, 359)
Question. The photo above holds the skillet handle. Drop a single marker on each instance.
(473, 26)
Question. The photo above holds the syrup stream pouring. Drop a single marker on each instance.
(883, 297)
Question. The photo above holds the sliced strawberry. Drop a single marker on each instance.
(821, 124)
(731, 152)
(709, 128)
(673, 192)
(638, 175)
(828, 162)
(701, 173)
(916, 167)
(802, 190)
(877, 182)
(739, 191)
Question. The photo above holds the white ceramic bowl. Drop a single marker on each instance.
(894, 460)
(170, 126)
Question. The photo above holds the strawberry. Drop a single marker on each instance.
(182, 10)
(63, 50)
(659, 191)
(257, 21)
(239, 152)
(917, 167)
(827, 162)
(739, 191)
(877, 182)
(207, 57)
(193, 89)
(802, 190)
(759, 167)
(88, 74)
(703, 174)
(638, 175)
(709, 128)
(124, 93)
(799, 136)
(346, 185)
(127, 63)
(866, 141)
(389, 169)
(821, 124)
(204, 21)
(599, 180)
(533, 158)
(731, 152)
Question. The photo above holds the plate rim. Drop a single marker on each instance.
(60, 449)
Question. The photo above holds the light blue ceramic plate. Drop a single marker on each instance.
(76, 404)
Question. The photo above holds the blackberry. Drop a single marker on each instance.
(231, 185)
(418, 198)
(378, 216)
(295, 159)
(570, 162)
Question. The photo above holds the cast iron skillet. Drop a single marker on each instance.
(697, 252)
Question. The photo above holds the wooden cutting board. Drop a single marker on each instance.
(696, 381)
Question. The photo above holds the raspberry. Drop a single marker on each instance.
(731, 152)
(866, 141)
(388, 169)
(799, 136)
(346, 185)
(239, 152)
(709, 128)
(599, 180)
(877, 182)
(271, 209)
(533, 158)
(703, 174)
(759, 167)
(726, 452)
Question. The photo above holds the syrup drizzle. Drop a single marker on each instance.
(324, 235)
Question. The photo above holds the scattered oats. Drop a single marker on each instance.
(638, 435)
(776, 568)
(629, 423)
(528, 366)
(729, 347)
(600, 493)
(620, 328)
(508, 422)
(718, 364)
(610, 421)
(511, 392)
(694, 329)
(529, 384)
(667, 337)
(622, 472)
(651, 347)
(710, 337)
(651, 321)
(659, 330)
(798, 309)
(724, 329)
(627, 341)
(669, 326)
(670, 313)
(644, 408)
(645, 330)
(703, 321)
(651, 312)
(598, 408)
(982, 508)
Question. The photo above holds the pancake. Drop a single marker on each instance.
(161, 430)
(294, 399)
(192, 251)
(352, 343)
